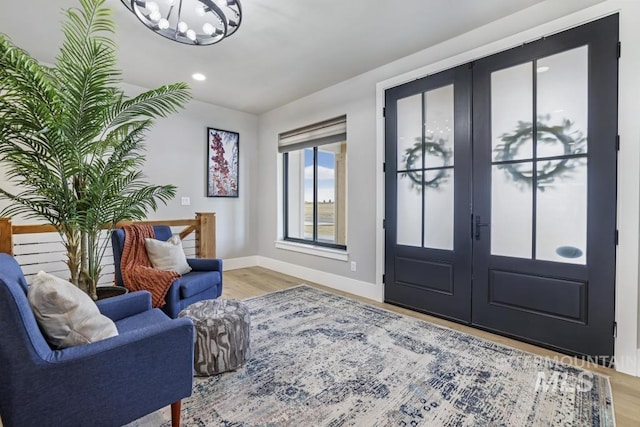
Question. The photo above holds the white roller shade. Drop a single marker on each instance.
(327, 132)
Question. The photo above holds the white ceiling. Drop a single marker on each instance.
(284, 49)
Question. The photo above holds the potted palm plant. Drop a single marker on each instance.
(71, 141)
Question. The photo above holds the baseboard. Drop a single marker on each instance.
(341, 283)
(627, 363)
(242, 262)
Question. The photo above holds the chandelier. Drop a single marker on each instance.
(194, 22)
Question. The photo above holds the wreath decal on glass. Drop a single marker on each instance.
(570, 142)
(412, 159)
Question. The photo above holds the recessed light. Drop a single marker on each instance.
(542, 69)
(199, 77)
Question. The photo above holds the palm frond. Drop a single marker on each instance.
(87, 71)
(154, 103)
(72, 143)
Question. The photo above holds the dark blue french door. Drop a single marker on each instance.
(501, 191)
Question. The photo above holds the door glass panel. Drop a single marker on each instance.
(561, 212)
(409, 136)
(511, 207)
(562, 103)
(511, 113)
(438, 209)
(409, 208)
(438, 106)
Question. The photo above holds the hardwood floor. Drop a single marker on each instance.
(254, 281)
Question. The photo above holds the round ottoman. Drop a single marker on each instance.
(221, 335)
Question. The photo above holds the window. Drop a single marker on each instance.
(315, 183)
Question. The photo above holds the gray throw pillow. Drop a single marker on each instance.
(67, 316)
(168, 256)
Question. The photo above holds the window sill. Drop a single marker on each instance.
(337, 254)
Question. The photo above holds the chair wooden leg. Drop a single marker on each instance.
(175, 413)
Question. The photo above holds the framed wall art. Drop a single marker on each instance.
(222, 164)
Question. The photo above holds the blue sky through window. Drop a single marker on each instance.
(326, 175)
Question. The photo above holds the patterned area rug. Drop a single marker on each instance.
(324, 360)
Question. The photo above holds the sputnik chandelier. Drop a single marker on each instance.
(194, 22)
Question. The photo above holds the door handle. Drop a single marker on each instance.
(478, 225)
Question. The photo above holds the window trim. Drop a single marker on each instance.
(314, 136)
(310, 249)
(314, 242)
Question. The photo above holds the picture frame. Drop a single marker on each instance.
(223, 159)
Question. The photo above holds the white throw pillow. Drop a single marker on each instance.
(167, 255)
(67, 316)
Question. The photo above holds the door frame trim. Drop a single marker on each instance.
(627, 348)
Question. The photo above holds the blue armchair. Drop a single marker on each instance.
(111, 382)
(203, 282)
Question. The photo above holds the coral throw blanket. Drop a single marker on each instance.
(138, 273)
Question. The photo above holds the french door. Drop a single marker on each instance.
(501, 191)
(428, 194)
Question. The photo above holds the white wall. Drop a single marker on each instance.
(361, 99)
(360, 172)
(176, 151)
(177, 154)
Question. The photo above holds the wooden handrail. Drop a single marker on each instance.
(48, 228)
(32, 228)
(170, 222)
(190, 229)
(204, 226)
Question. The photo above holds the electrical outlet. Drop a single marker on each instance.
(353, 266)
(185, 201)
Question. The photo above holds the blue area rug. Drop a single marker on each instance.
(324, 360)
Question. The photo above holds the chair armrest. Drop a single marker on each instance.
(205, 264)
(112, 351)
(126, 305)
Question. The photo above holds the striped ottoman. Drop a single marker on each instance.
(221, 335)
